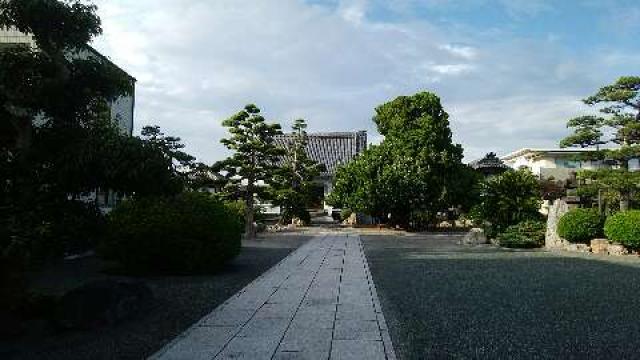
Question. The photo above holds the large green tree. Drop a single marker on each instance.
(53, 96)
(409, 177)
(292, 187)
(253, 162)
(618, 125)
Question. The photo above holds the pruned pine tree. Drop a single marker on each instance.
(293, 186)
(253, 162)
(618, 125)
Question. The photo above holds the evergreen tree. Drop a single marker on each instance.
(253, 163)
(292, 189)
(620, 105)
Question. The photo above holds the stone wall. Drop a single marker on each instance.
(553, 241)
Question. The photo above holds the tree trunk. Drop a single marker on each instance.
(23, 127)
(249, 232)
(624, 202)
(624, 196)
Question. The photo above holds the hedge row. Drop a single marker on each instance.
(188, 233)
(582, 225)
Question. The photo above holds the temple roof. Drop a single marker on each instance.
(490, 161)
(330, 148)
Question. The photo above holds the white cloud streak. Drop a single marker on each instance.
(197, 62)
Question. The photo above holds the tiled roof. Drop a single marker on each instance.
(489, 161)
(331, 148)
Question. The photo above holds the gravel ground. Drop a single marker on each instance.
(179, 302)
(442, 300)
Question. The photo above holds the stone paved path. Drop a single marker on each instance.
(318, 303)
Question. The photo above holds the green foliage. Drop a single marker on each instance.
(237, 208)
(624, 228)
(415, 170)
(292, 184)
(188, 233)
(253, 159)
(75, 23)
(508, 199)
(581, 225)
(526, 234)
(620, 104)
(345, 214)
(612, 185)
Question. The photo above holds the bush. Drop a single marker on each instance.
(345, 213)
(624, 228)
(236, 207)
(581, 225)
(188, 233)
(527, 234)
(507, 199)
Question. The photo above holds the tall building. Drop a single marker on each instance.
(122, 109)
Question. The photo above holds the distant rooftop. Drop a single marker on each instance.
(534, 151)
(490, 161)
(330, 148)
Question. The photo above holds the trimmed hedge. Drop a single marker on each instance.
(624, 228)
(581, 225)
(188, 233)
(527, 234)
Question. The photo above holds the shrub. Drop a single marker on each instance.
(236, 207)
(581, 225)
(345, 213)
(507, 199)
(188, 233)
(624, 228)
(527, 234)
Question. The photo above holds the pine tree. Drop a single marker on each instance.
(253, 163)
(293, 186)
(620, 105)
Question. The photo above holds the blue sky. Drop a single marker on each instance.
(509, 72)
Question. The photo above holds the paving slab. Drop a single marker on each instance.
(318, 303)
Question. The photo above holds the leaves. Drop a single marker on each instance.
(620, 102)
(508, 199)
(254, 153)
(414, 171)
(292, 184)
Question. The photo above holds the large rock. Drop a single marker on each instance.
(475, 236)
(600, 246)
(552, 239)
(102, 303)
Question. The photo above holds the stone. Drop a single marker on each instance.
(617, 250)
(600, 246)
(351, 220)
(102, 303)
(581, 248)
(552, 239)
(475, 236)
(357, 330)
(357, 349)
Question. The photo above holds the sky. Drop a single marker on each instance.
(509, 72)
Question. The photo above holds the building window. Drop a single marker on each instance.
(567, 164)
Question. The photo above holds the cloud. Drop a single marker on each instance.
(197, 62)
(465, 52)
(353, 10)
(451, 69)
